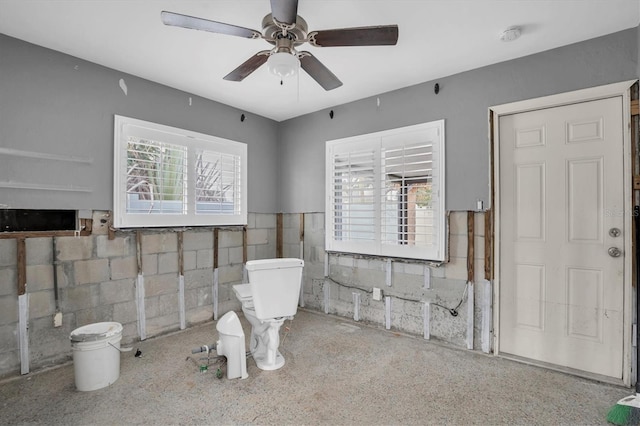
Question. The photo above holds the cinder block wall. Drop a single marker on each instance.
(97, 282)
(409, 289)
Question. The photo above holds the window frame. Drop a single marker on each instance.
(126, 127)
(376, 143)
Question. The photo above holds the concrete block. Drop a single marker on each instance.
(438, 271)
(198, 278)
(130, 333)
(74, 248)
(251, 253)
(91, 271)
(41, 304)
(9, 339)
(8, 252)
(196, 297)
(149, 264)
(266, 220)
(230, 238)
(456, 268)
(167, 263)
(117, 291)
(8, 309)
(458, 223)
(119, 246)
(98, 314)
(223, 257)
(251, 220)
(235, 255)
(200, 315)
(291, 221)
(9, 281)
(124, 267)
(197, 240)
(347, 261)
(48, 343)
(204, 259)
(266, 251)
(230, 274)
(257, 236)
(125, 312)
(458, 246)
(159, 243)
(413, 269)
(163, 304)
(160, 284)
(39, 277)
(77, 298)
(40, 250)
(478, 227)
(163, 324)
(189, 258)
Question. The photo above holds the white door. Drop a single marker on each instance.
(561, 224)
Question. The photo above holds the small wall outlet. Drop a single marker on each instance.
(57, 319)
(377, 293)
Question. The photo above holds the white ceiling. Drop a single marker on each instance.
(437, 38)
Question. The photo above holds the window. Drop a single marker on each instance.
(165, 176)
(385, 193)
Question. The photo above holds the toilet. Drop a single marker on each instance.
(270, 298)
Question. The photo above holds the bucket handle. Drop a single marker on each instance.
(121, 349)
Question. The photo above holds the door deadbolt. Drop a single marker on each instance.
(614, 252)
(614, 232)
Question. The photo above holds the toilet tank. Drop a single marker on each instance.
(275, 286)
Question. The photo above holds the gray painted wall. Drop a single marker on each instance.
(463, 102)
(57, 104)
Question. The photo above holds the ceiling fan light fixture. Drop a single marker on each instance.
(283, 64)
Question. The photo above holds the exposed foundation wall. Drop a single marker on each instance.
(409, 288)
(97, 278)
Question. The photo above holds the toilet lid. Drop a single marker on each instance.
(243, 291)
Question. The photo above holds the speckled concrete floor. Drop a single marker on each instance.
(337, 372)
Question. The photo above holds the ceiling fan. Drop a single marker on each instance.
(286, 31)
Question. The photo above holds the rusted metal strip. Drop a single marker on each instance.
(181, 252)
(215, 247)
(279, 235)
(22, 265)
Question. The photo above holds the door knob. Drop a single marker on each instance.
(614, 252)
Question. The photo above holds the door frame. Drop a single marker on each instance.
(622, 89)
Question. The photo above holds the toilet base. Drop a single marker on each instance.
(261, 361)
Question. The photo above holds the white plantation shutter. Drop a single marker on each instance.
(353, 190)
(165, 176)
(218, 178)
(156, 177)
(385, 193)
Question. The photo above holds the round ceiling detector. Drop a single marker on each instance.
(510, 34)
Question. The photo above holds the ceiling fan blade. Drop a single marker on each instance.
(318, 71)
(191, 22)
(385, 35)
(248, 66)
(284, 11)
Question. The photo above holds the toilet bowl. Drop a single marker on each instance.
(270, 298)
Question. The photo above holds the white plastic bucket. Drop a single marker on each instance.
(96, 355)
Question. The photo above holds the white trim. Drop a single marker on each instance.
(192, 142)
(23, 332)
(621, 89)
